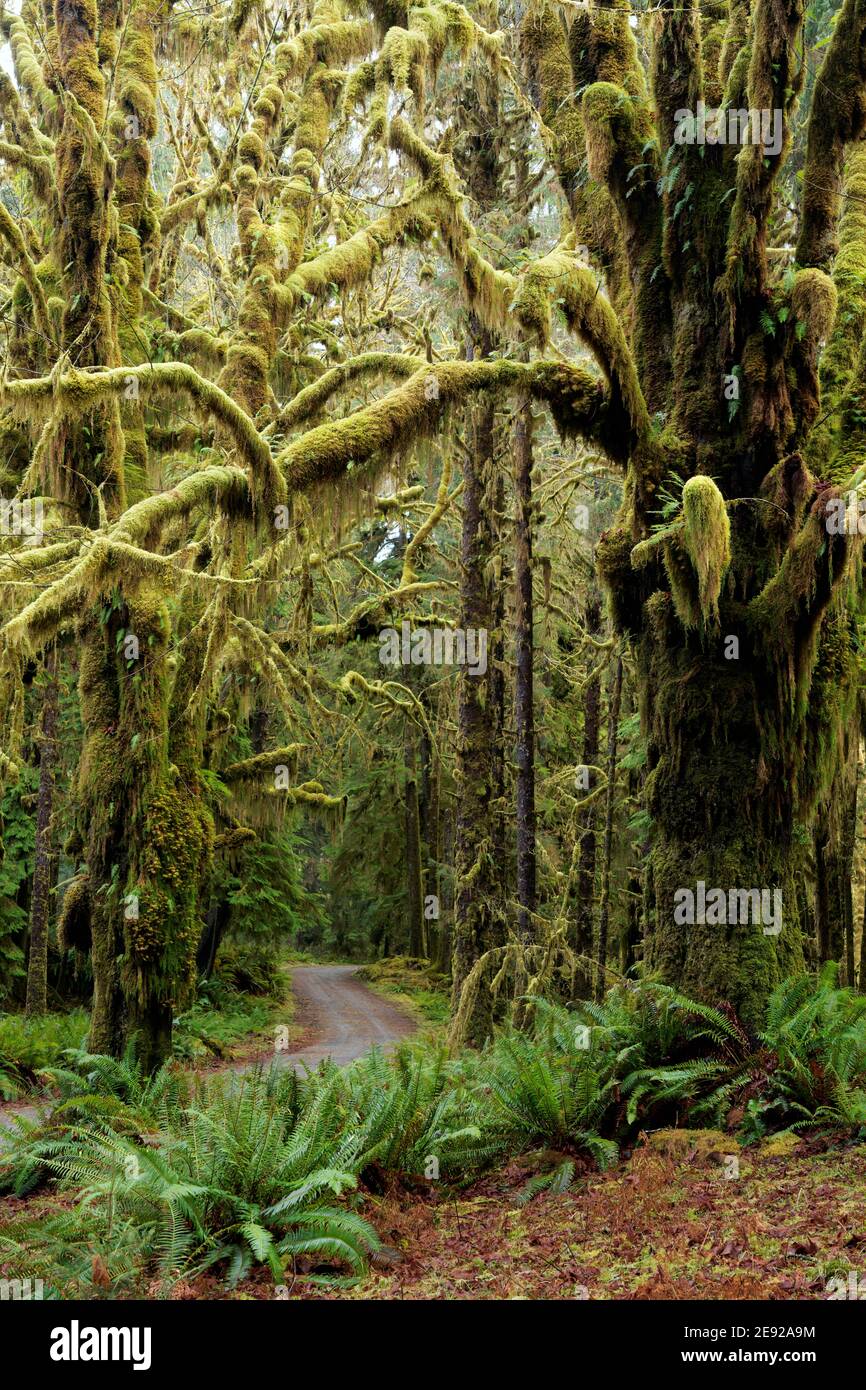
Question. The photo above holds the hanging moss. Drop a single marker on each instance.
(706, 540)
(410, 411)
(558, 279)
(79, 392)
(837, 119)
(73, 919)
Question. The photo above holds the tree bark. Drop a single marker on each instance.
(524, 711)
(478, 908)
(715, 823)
(43, 872)
(614, 701)
(414, 880)
(428, 805)
(586, 861)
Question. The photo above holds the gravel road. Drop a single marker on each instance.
(341, 1017)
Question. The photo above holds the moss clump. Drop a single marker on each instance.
(813, 302)
(704, 1144)
(559, 279)
(73, 921)
(177, 840)
(613, 558)
(707, 541)
(780, 1145)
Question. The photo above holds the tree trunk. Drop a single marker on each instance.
(827, 924)
(442, 959)
(430, 846)
(586, 861)
(43, 875)
(215, 926)
(722, 819)
(846, 887)
(414, 879)
(614, 701)
(524, 712)
(478, 914)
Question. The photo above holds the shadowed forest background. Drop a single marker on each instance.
(431, 540)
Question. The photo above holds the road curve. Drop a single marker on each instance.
(342, 1017)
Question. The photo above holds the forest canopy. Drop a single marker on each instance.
(431, 452)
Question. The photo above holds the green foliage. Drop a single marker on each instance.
(367, 881)
(213, 1026)
(267, 894)
(233, 1180)
(414, 1110)
(174, 1175)
(415, 982)
(559, 1095)
(817, 1035)
(251, 967)
(28, 1045)
(18, 829)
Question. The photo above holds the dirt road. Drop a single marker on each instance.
(341, 1018)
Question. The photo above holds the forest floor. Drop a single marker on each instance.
(687, 1214)
(668, 1224)
(664, 1224)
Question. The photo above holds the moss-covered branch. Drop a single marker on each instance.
(78, 391)
(11, 234)
(579, 402)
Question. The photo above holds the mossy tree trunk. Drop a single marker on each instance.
(739, 603)
(44, 856)
(614, 701)
(524, 679)
(478, 908)
(416, 927)
(585, 889)
(428, 805)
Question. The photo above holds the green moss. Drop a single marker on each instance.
(559, 279)
(707, 541)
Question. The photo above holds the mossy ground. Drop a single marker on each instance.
(415, 986)
(241, 1031)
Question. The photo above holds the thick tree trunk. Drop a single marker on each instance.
(723, 819)
(43, 872)
(834, 837)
